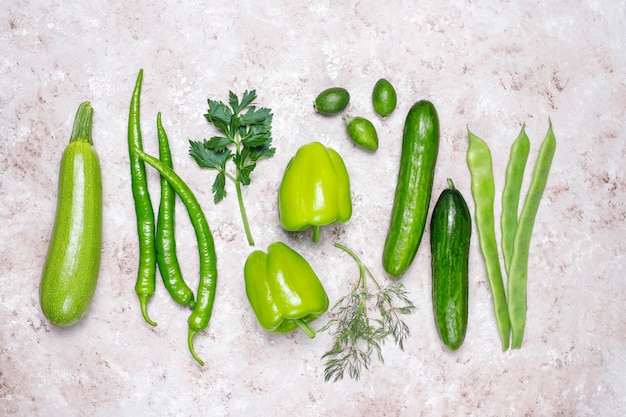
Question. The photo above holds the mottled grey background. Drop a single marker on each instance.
(490, 66)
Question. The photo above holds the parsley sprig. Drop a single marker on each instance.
(245, 128)
(358, 335)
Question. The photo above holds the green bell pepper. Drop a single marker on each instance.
(283, 290)
(315, 190)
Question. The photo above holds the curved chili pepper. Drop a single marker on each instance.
(199, 318)
(146, 273)
(165, 236)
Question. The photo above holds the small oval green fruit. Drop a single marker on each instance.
(362, 132)
(332, 101)
(384, 98)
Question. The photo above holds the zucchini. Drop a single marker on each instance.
(70, 272)
(420, 145)
(450, 232)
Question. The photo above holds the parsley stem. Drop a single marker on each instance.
(244, 216)
(236, 138)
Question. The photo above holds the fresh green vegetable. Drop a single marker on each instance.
(283, 290)
(357, 334)
(146, 272)
(315, 190)
(201, 314)
(167, 259)
(519, 261)
(332, 100)
(362, 132)
(511, 195)
(250, 133)
(516, 232)
(70, 272)
(420, 145)
(450, 231)
(483, 192)
(384, 97)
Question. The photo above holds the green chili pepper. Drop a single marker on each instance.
(511, 194)
(199, 318)
(483, 192)
(146, 274)
(315, 190)
(165, 235)
(519, 261)
(283, 290)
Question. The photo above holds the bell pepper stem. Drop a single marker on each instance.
(316, 233)
(305, 328)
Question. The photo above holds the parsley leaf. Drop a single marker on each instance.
(208, 157)
(246, 138)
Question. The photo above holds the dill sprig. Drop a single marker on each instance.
(361, 322)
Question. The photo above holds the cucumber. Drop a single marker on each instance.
(450, 232)
(420, 145)
(72, 265)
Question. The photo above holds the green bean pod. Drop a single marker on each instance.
(483, 193)
(511, 195)
(146, 273)
(519, 262)
(199, 318)
(165, 231)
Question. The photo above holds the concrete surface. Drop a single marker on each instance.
(489, 66)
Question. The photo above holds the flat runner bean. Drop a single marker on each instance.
(517, 279)
(511, 194)
(483, 192)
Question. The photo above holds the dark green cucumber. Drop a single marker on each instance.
(450, 232)
(420, 145)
